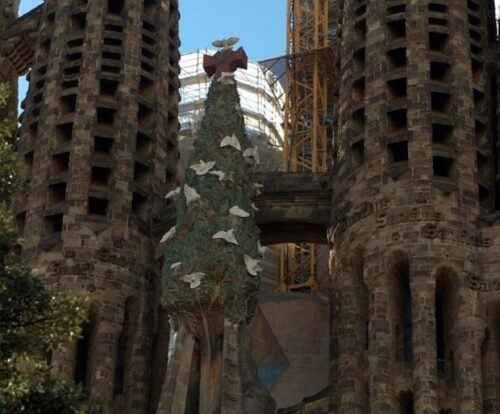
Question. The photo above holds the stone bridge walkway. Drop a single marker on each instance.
(293, 207)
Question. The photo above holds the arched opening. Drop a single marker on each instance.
(84, 349)
(405, 403)
(445, 314)
(160, 357)
(82, 356)
(403, 329)
(125, 345)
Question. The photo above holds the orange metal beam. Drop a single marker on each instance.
(306, 144)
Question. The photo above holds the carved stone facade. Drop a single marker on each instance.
(414, 223)
(413, 265)
(98, 144)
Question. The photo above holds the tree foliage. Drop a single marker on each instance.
(33, 321)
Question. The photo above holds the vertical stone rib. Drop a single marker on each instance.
(419, 102)
(464, 108)
(423, 289)
(351, 347)
(468, 335)
(381, 346)
(375, 91)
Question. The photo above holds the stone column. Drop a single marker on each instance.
(351, 348)
(468, 336)
(102, 362)
(423, 291)
(381, 347)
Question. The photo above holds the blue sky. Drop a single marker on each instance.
(260, 24)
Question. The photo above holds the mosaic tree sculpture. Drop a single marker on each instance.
(212, 255)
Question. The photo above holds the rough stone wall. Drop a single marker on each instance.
(99, 148)
(413, 173)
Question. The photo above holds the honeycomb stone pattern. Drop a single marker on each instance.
(98, 144)
(414, 228)
(413, 329)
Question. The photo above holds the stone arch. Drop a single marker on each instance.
(445, 308)
(398, 268)
(161, 342)
(84, 361)
(124, 346)
(405, 402)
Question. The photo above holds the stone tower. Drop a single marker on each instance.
(413, 188)
(99, 148)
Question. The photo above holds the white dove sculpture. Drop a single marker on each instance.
(191, 194)
(231, 141)
(175, 265)
(254, 207)
(262, 250)
(193, 279)
(251, 156)
(226, 78)
(225, 43)
(238, 212)
(202, 167)
(173, 193)
(228, 236)
(220, 174)
(168, 235)
(253, 266)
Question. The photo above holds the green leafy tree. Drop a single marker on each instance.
(33, 320)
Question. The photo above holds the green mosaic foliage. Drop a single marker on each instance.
(227, 290)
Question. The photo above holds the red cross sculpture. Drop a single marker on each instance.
(225, 60)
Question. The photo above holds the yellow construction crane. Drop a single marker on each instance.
(309, 73)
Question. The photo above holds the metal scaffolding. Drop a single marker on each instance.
(308, 80)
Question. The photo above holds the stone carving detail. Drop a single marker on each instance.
(60, 267)
(129, 262)
(346, 218)
(477, 282)
(407, 216)
(461, 237)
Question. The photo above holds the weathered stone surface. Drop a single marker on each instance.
(98, 147)
(414, 237)
(409, 257)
